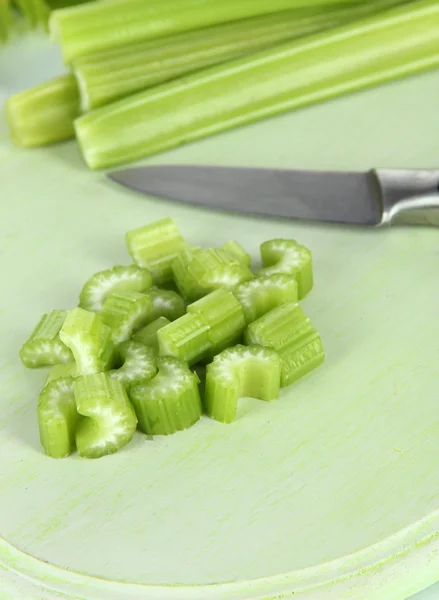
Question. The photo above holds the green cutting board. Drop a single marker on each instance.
(330, 492)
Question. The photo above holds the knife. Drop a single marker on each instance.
(374, 198)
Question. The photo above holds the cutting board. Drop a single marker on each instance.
(330, 492)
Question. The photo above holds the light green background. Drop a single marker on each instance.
(340, 464)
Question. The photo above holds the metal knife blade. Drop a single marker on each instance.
(356, 198)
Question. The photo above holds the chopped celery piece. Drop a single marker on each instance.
(389, 45)
(289, 331)
(125, 313)
(170, 402)
(110, 421)
(185, 283)
(139, 363)
(58, 417)
(291, 258)
(117, 279)
(109, 75)
(155, 246)
(148, 334)
(43, 114)
(89, 339)
(116, 23)
(224, 315)
(264, 293)
(240, 371)
(166, 303)
(5, 19)
(44, 346)
(236, 250)
(34, 11)
(187, 338)
(62, 371)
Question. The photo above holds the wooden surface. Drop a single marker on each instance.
(330, 492)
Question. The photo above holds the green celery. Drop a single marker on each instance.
(170, 402)
(45, 346)
(264, 293)
(236, 250)
(62, 371)
(34, 11)
(187, 338)
(58, 417)
(166, 303)
(5, 19)
(125, 313)
(155, 246)
(110, 421)
(116, 23)
(186, 284)
(290, 333)
(240, 371)
(89, 340)
(387, 46)
(43, 114)
(139, 364)
(148, 334)
(117, 279)
(291, 258)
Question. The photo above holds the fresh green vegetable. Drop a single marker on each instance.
(236, 250)
(139, 364)
(117, 279)
(34, 11)
(106, 76)
(44, 346)
(264, 293)
(187, 338)
(116, 23)
(290, 333)
(89, 339)
(185, 282)
(387, 46)
(224, 316)
(110, 421)
(5, 19)
(148, 334)
(125, 313)
(155, 246)
(62, 371)
(170, 402)
(240, 371)
(287, 256)
(58, 417)
(43, 114)
(166, 303)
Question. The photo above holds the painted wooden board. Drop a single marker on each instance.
(330, 492)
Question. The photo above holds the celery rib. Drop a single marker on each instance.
(45, 347)
(287, 256)
(139, 364)
(125, 313)
(389, 45)
(263, 294)
(148, 334)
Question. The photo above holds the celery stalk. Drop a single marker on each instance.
(389, 45)
(5, 19)
(115, 23)
(263, 294)
(148, 334)
(139, 364)
(125, 313)
(43, 114)
(44, 346)
(291, 258)
(236, 250)
(118, 72)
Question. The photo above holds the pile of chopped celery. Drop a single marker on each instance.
(143, 77)
(129, 354)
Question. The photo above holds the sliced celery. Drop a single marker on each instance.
(187, 338)
(43, 114)
(62, 371)
(44, 346)
(125, 313)
(148, 334)
(236, 250)
(224, 315)
(117, 279)
(170, 402)
(5, 19)
(264, 293)
(166, 303)
(389, 45)
(110, 421)
(89, 339)
(240, 371)
(289, 331)
(34, 11)
(185, 282)
(139, 364)
(155, 246)
(287, 256)
(116, 23)
(58, 417)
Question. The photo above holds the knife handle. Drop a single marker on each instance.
(409, 197)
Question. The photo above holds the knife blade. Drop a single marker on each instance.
(371, 198)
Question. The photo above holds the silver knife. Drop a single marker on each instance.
(374, 198)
